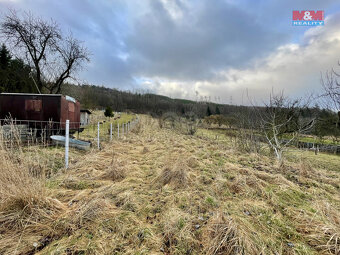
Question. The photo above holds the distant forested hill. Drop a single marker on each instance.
(101, 97)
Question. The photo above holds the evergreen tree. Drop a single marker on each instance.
(14, 74)
(208, 111)
(5, 57)
(108, 112)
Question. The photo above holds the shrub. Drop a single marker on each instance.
(108, 112)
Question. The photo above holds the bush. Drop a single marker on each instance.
(108, 112)
(191, 123)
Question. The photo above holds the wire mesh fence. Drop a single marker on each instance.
(15, 132)
(29, 134)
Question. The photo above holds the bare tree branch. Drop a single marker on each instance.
(53, 57)
(331, 86)
(281, 123)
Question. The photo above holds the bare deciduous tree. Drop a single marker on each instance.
(331, 85)
(281, 123)
(69, 59)
(53, 57)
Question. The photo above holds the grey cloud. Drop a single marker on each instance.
(215, 36)
(292, 68)
(189, 43)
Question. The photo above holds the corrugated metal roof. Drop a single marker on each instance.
(68, 98)
(86, 110)
(30, 94)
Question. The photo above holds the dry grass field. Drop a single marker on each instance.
(157, 191)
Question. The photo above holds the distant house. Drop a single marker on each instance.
(40, 110)
(84, 117)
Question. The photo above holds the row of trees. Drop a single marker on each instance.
(92, 96)
(14, 73)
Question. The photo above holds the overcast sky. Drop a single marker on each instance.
(217, 48)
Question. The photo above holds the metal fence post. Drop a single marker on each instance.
(110, 131)
(98, 137)
(67, 134)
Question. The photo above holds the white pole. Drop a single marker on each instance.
(98, 137)
(122, 129)
(118, 129)
(67, 136)
(110, 131)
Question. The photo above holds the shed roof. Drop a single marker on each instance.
(86, 110)
(30, 94)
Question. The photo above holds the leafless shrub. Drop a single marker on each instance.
(281, 123)
(190, 122)
(160, 122)
(246, 136)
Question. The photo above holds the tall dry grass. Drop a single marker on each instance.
(224, 236)
(161, 192)
(175, 175)
(26, 211)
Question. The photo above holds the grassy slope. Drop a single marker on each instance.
(157, 191)
(90, 131)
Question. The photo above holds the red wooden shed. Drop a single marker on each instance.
(38, 110)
